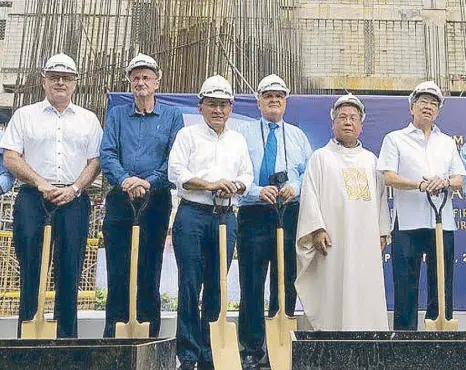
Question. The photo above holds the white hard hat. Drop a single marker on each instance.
(348, 99)
(272, 83)
(216, 87)
(60, 63)
(143, 61)
(427, 87)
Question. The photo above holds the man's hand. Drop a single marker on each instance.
(133, 182)
(47, 190)
(321, 241)
(434, 184)
(62, 196)
(383, 242)
(137, 192)
(223, 188)
(269, 194)
(287, 193)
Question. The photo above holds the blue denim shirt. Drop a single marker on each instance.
(134, 144)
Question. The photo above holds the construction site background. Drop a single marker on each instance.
(317, 46)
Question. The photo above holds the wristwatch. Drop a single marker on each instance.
(77, 191)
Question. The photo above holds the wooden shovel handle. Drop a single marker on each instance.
(281, 270)
(440, 270)
(222, 243)
(44, 269)
(133, 273)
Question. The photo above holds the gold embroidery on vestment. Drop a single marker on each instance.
(356, 184)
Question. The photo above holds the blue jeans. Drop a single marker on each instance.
(195, 242)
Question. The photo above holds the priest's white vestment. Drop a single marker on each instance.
(343, 194)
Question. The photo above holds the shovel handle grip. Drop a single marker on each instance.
(221, 209)
(138, 209)
(49, 209)
(438, 211)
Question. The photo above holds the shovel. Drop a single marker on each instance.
(38, 327)
(223, 337)
(278, 327)
(133, 328)
(440, 323)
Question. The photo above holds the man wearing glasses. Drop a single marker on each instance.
(343, 218)
(279, 152)
(53, 147)
(415, 160)
(207, 158)
(134, 154)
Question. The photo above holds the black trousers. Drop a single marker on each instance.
(407, 250)
(70, 226)
(117, 229)
(256, 249)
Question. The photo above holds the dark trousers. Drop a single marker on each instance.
(256, 249)
(117, 228)
(195, 241)
(70, 226)
(407, 250)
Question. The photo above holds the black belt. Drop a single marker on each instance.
(207, 207)
(29, 186)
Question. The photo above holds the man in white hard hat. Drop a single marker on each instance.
(53, 147)
(415, 160)
(340, 276)
(279, 152)
(134, 155)
(208, 159)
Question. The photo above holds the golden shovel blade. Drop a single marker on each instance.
(224, 345)
(39, 328)
(278, 337)
(132, 329)
(441, 324)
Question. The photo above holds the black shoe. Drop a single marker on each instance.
(251, 362)
(205, 366)
(187, 365)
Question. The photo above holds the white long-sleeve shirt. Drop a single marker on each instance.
(199, 152)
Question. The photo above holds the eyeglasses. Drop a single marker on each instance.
(144, 79)
(353, 118)
(213, 104)
(424, 103)
(55, 78)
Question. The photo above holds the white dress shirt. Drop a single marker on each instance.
(55, 145)
(199, 152)
(410, 155)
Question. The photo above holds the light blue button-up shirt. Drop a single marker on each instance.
(298, 152)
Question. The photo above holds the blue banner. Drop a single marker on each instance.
(384, 114)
